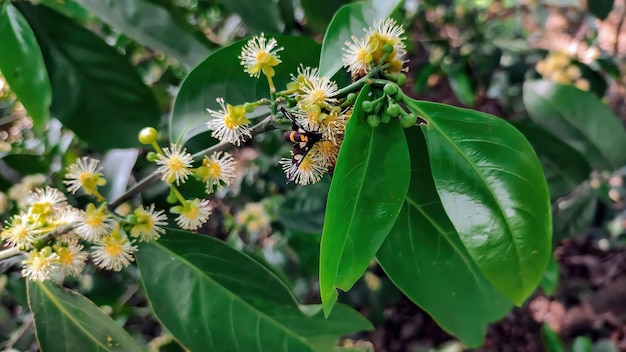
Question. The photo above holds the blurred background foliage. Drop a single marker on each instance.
(554, 68)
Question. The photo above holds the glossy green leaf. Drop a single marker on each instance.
(550, 279)
(221, 75)
(212, 297)
(573, 214)
(117, 167)
(600, 8)
(368, 187)
(69, 8)
(151, 25)
(67, 321)
(350, 20)
(22, 65)
(424, 256)
(258, 15)
(303, 208)
(493, 189)
(578, 119)
(96, 92)
(551, 340)
(319, 13)
(563, 166)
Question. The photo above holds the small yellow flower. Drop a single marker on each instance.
(260, 55)
(71, 258)
(318, 91)
(148, 225)
(386, 32)
(175, 163)
(40, 265)
(18, 232)
(230, 124)
(308, 170)
(192, 213)
(254, 217)
(85, 173)
(333, 126)
(357, 57)
(326, 152)
(114, 251)
(94, 223)
(43, 202)
(217, 171)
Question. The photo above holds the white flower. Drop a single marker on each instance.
(85, 173)
(94, 223)
(303, 170)
(260, 55)
(40, 265)
(72, 258)
(217, 170)
(175, 163)
(148, 225)
(319, 91)
(114, 251)
(18, 232)
(357, 57)
(192, 213)
(388, 32)
(230, 124)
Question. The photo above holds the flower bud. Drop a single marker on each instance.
(390, 88)
(393, 110)
(148, 135)
(373, 120)
(408, 120)
(367, 106)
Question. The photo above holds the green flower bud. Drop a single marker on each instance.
(401, 79)
(385, 118)
(367, 106)
(408, 120)
(131, 219)
(351, 98)
(393, 110)
(148, 135)
(387, 48)
(373, 120)
(248, 107)
(390, 88)
(151, 157)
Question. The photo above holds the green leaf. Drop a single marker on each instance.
(69, 8)
(319, 13)
(573, 214)
(221, 75)
(213, 297)
(550, 279)
(600, 8)
(350, 20)
(368, 187)
(563, 166)
(117, 167)
(96, 92)
(578, 119)
(493, 189)
(424, 256)
(67, 321)
(258, 15)
(22, 65)
(303, 208)
(551, 340)
(151, 25)
(462, 83)
(581, 344)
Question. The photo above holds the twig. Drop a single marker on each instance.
(18, 334)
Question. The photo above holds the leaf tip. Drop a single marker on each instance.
(329, 298)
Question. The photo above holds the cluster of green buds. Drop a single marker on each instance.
(53, 234)
(388, 106)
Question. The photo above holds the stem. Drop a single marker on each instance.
(8, 253)
(355, 86)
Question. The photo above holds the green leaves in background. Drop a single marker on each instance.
(424, 256)
(258, 15)
(22, 65)
(461, 81)
(318, 13)
(563, 166)
(348, 21)
(213, 297)
(573, 214)
(303, 208)
(600, 8)
(95, 91)
(221, 75)
(367, 191)
(153, 26)
(117, 168)
(493, 189)
(67, 321)
(578, 119)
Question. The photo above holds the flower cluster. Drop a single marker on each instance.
(52, 231)
(558, 67)
(176, 166)
(382, 45)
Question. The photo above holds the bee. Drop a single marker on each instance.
(302, 140)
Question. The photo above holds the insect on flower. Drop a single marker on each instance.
(302, 140)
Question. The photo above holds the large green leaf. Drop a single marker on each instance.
(563, 166)
(493, 189)
(258, 15)
(95, 91)
(366, 194)
(151, 25)
(573, 214)
(580, 120)
(212, 297)
(67, 321)
(424, 256)
(350, 21)
(22, 65)
(221, 75)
